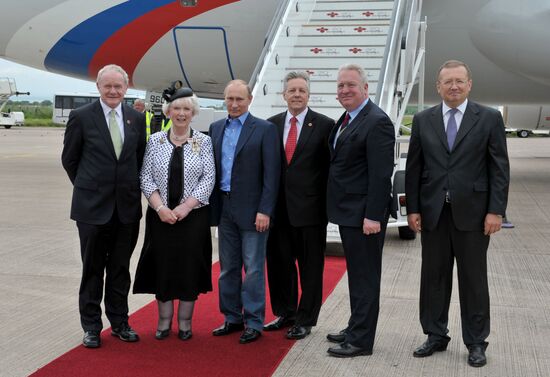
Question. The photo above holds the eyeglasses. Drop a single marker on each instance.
(449, 83)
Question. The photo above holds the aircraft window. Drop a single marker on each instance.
(188, 3)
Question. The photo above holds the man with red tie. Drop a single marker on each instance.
(299, 232)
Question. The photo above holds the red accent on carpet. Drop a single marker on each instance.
(203, 355)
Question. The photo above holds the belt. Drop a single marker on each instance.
(226, 193)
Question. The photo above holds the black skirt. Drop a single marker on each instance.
(176, 260)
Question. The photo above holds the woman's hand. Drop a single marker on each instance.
(182, 211)
(167, 215)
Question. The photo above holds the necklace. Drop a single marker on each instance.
(180, 138)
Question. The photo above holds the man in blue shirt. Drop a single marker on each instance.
(246, 150)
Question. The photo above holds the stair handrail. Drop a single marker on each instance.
(274, 29)
(400, 64)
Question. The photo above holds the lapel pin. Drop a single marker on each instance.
(309, 124)
(128, 121)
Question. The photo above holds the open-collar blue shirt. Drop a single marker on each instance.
(231, 133)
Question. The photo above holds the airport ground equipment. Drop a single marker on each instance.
(8, 89)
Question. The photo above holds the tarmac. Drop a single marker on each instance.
(40, 274)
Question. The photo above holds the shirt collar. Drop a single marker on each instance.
(461, 107)
(301, 117)
(241, 119)
(354, 113)
(107, 109)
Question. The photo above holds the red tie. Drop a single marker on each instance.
(344, 123)
(290, 145)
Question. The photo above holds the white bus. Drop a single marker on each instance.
(63, 103)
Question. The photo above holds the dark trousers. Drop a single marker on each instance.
(440, 247)
(285, 246)
(106, 248)
(364, 264)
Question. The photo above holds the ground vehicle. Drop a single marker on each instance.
(8, 89)
(63, 103)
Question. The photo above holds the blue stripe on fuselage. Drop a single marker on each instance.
(74, 51)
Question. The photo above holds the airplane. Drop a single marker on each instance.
(207, 43)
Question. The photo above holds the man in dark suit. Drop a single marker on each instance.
(456, 184)
(102, 154)
(300, 227)
(246, 150)
(358, 200)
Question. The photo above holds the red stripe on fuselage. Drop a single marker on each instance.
(128, 45)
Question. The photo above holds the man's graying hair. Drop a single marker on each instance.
(113, 67)
(295, 75)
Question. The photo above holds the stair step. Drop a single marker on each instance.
(334, 40)
(347, 30)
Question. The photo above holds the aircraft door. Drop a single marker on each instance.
(203, 58)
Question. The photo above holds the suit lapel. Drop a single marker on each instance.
(103, 128)
(332, 135)
(436, 121)
(246, 132)
(350, 128)
(305, 134)
(218, 139)
(469, 119)
(128, 130)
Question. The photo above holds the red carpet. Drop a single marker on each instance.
(203, 355)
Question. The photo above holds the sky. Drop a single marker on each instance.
(43, 85)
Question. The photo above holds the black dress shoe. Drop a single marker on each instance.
(228, 328)
(429, 347)
(298, 332)
(162, 334)
(125, 332)
(477, 357)
(185, 334)
(279, 323)
(249, 335)
(348, 350)
(91, 339)
(339, 337)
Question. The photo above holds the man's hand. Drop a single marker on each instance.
(262, 222)
(415, 222)
(493, 223)
(370, 226)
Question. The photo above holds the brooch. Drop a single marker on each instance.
(194, 145)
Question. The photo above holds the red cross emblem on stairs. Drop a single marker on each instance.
(368, 13)
(322, 29)
(316, 50)
(332, 14)
(310, 72)
(355, 50)
(359, 29)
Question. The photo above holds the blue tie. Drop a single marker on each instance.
(451, 128)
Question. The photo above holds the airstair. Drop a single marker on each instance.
(319, 36)
(7, 89)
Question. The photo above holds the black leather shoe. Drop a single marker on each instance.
(185, 334)
(91, 339)
(279, 323)
(228, 328)
(348, 350)
(298, 332)
(477, 357)
(125, 332)
(249, 335)
(429, 347)
(339, 337)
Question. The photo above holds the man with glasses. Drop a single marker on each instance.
(457, 181)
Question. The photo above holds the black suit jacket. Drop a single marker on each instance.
(302, 193)
(102, 183)
(361, 167)
(476, 172)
